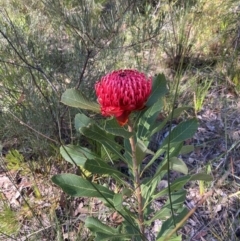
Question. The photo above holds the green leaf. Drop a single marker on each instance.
(141, 151)
(178, 111)
(78, 187)
(175, 186)
(76, 154)
(174, 151)
(148, 189)
(97, 226)
(112, 237)
(112, 127)
(179, 183)
(159, 126)
(154, 158)
(106, 155)
(81, 120)
(162, 214)
(178, 198)
(201, 177)
(159, 89)
(101, 167)
(96, 133)
(169, 226)
(76, 98)
(176, 238)
(105, 232)
(126, 192)
(178, 165)
(186, 149)
(148, 119)
(117, 201)
(181, 132)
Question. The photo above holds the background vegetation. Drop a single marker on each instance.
(49, 46)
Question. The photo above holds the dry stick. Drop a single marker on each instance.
(137, 181)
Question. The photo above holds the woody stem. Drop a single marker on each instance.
(137, 183)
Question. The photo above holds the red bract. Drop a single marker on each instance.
(121, 92)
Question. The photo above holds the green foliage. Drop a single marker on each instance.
(159, 89)
(77, 155)
(100, 229)
(104, 232)
(183, 131)
(101, 167)
(14, 160)
(75, 98)
(103, 132)
(8, 221)
(79, 187)
(200, 94)
(111, 126)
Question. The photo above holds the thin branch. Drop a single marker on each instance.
(38, 68)
(83, 68)
(6, 235)
(29, 127)
(14, 64)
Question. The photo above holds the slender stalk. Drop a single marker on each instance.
(137, 183)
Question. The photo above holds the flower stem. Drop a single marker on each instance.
(137, 183)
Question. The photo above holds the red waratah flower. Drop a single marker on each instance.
(121, 92)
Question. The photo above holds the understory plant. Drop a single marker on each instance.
(131, 102)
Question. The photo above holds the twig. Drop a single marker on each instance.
(84, 68)
(23, 59)
(29, 127)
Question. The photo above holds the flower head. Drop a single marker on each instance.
(121, 92)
